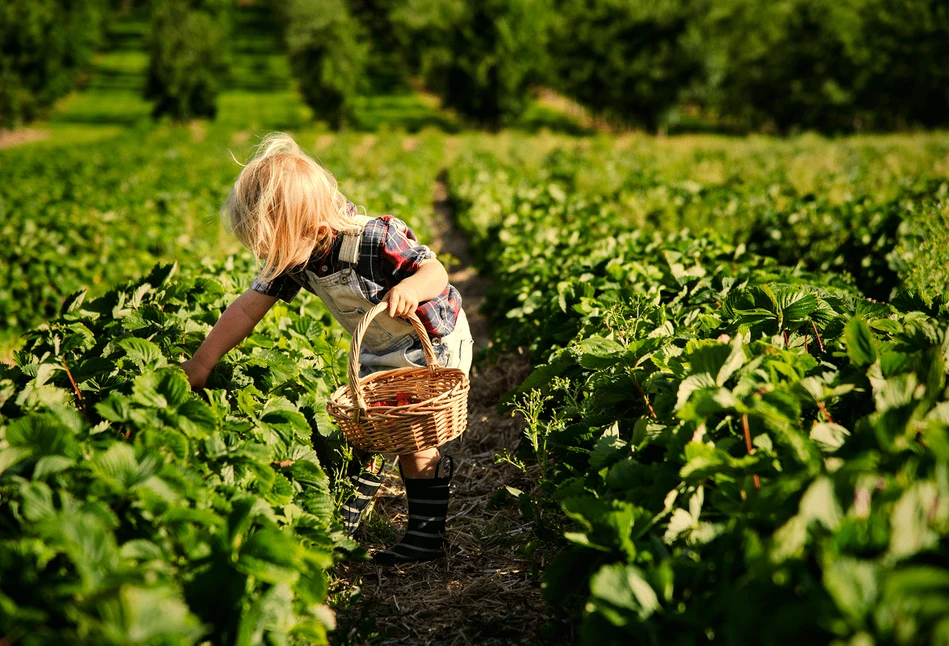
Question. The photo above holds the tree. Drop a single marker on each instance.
(628, 61)
(328, 55)
(386, 67)
(187, 60)
(785, 64)
(905, 63)
(481, 57)
(45, 45)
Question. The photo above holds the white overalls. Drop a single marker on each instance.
(388, 342)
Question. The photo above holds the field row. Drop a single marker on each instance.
(725, 447)
(122, 491)
(91, 216)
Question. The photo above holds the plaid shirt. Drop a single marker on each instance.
(389, 252)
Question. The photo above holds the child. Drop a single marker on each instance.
(286, 209)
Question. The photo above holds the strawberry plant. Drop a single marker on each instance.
(135, 511)
(93, 215)
(830, 207)
(728, 449)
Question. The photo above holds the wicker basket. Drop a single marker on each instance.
(364, 411)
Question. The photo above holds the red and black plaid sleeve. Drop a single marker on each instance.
(401, 251)
(282, 287)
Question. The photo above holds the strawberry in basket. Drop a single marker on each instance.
(401, 399)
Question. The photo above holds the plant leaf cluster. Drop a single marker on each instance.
(728, 448)
(91, 216)
(135, 511)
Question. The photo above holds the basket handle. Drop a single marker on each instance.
(354, 391)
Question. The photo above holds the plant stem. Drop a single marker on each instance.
(751, 449)
(820, 343)
(823, 409)
(643, 394)
(75, 388)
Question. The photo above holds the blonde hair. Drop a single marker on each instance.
(285, 207)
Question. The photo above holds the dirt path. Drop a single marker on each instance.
(483, 592)
(20, 136)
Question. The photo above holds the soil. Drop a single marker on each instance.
(486, 590)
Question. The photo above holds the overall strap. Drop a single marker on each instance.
(349, 250)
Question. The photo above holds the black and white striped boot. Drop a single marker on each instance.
(424, 538)
(366, 484)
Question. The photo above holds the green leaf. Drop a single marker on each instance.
(895, 392)
(912, 531)
(680, 523)
(829, 437)
(37, 501)
(243, 512)
(853, 585)
(143, 352)
(861, 347)
(139, 549)
(196, 418)
(598, 353)
(72, 302)
(819, 503)
(165, 388)
(692, 384)
(77, 338)
(796, 306)
(271, 556)
(50, 464)
(280, 493)
(607, 450)
(622, 594)
(153, 615)
(43, 434)
(13, 455)
(118, 465)
(703, 462)
(115, 408)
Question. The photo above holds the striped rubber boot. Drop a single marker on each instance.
(365, 487)
(424, 538)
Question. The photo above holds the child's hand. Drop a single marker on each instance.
(402, 299)
(197, 374)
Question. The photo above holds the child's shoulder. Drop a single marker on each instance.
(386, 220)
(382, 224)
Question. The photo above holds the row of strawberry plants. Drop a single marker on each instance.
(727, 450)
(841, 206)
(134, 511)
(92, 215)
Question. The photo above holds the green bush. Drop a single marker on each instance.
(905, 78)
(44, 46)
(481, 58)
(784, 65)
(328, 53)
(187, 60)
(627, 61)
(827, 65)
(387, 69)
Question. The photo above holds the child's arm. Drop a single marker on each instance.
(235, 324)
(429, 281)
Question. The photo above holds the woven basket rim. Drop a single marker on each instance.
(342, 397)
